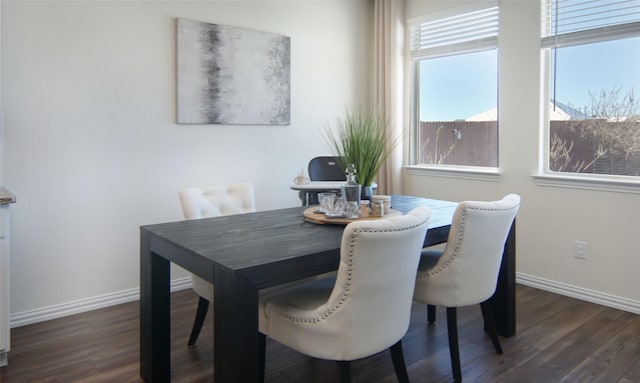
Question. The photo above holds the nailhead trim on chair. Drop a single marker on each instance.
(433, 270)
(345, 295)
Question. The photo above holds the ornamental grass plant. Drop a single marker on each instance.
(363, 139)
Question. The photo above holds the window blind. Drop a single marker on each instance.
(573, 22)
(465, 32)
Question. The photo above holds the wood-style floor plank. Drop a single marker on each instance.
(559, 339)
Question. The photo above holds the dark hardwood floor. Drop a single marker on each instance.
(559, 339)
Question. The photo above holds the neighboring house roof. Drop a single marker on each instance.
(487, 115)
(566, 110)
(561, 112)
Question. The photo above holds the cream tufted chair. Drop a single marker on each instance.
(212, 201)
(466, 272)
(365, 308)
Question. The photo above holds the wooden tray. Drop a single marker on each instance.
(310, 215)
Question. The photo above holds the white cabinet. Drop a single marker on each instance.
(6, 198)
(5, 337)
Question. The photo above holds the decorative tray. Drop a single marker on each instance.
(311, 215)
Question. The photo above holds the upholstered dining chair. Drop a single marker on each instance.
(205, 202)
(466, 271)
(362, 310)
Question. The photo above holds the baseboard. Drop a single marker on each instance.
(93, 303)
(579, 293)
(84, 305)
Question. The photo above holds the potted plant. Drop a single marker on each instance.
(363, 139)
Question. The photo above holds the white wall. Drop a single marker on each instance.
(551, 219)
(1, 114)
(92, 150)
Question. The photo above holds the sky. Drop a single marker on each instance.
(462, 86)
(590, 68)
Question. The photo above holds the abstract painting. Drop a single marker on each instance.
(230, 75)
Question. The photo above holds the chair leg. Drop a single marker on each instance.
(431, 313)
(262, 356)
(397, 356)
(201, 313)
(490, 325)
(452, 330)
(345, 371)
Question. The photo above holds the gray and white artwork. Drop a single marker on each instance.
(230, 75)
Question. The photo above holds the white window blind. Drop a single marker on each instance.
(465, 32)
(573, 22)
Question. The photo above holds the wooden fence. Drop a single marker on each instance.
(475, 143)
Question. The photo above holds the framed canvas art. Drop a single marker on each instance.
(230, 75)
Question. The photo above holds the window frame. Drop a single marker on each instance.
(443, 170)
(545, 176)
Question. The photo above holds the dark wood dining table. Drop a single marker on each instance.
(242, 254)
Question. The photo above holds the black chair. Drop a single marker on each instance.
(324, 168)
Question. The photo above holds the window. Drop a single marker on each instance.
(455, 74)
(593, 51)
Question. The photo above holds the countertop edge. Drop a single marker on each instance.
(6, 197)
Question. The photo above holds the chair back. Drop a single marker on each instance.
(215, 201)
(467, 271)
(371, 300)
(326, 169)
(218, 200)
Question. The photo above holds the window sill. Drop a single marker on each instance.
(465, 172)
(588, 183)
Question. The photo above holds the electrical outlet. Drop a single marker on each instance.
(581, 249)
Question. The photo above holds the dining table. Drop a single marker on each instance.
(246, 253)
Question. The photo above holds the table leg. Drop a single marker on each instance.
(236, 339)
(504, 299)
(155, 337)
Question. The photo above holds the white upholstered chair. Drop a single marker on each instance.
(362, 310)
(213, 201)
(466, 271)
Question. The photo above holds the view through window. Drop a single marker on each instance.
(594, 109)
(458, 110)
(594, 112)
